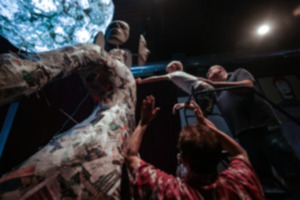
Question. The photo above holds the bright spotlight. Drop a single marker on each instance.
(263, 29)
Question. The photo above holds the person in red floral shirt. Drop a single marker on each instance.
(200, 151)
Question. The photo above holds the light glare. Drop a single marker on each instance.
(263, 29)
(35, 25)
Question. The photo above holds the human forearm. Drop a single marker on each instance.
(151, 79)
(218, 84)
(133, 146)
(229, 144)
(221, 84)
(135, 140)
(148, 113)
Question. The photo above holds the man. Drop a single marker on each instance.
(255, 125)
(200, 148)
(188, 83)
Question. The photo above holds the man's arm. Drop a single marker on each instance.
(148, 113)
(220, 84)
(152, 79)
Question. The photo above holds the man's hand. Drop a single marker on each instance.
(179, 106)
(148, 112)
(138, 80)
(201, 119)
(206, 80)
(192, 105)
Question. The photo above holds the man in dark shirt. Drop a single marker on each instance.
(255, 124)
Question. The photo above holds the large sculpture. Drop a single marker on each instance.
(84, 162)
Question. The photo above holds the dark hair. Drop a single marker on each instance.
(201, 147)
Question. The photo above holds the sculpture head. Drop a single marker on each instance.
(117, 32)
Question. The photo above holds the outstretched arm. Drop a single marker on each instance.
(219, 84)
(152, 79)
(227, 142)
(148, 113)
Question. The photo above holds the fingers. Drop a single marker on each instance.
(144, 103)
(176, 107)
(155, 111)
(194, 104)
(196, 107)
(149, 103)
(149, 111)
(202, 79)
(138, 80)
(190, 105)
(174, 110)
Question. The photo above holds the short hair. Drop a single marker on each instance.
(202, 148)
(178, 64)
(219, 66)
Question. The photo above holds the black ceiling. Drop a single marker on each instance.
(176, 28)
(204, 27)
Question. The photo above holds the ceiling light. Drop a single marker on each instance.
(263, 29)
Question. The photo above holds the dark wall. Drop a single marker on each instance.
(40, 116)
(159, 146)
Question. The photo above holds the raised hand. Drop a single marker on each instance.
(201, 119)
(138, 80)
(179, 106)
(149, 111)
(206, 80)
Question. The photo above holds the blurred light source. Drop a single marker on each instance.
(296, 11)
(41, 25)
(263, 29)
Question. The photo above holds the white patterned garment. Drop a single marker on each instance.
(85, 161)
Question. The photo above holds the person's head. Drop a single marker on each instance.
(284, 87)
(117, 32)
(200, 149)
(174, 66)
(217, 73)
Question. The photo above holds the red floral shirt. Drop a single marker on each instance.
(238, 181)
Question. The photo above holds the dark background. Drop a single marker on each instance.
(206, 27)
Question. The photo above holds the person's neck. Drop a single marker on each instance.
(197, 179)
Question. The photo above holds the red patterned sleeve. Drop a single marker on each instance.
(243, 179)
(151, 183)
